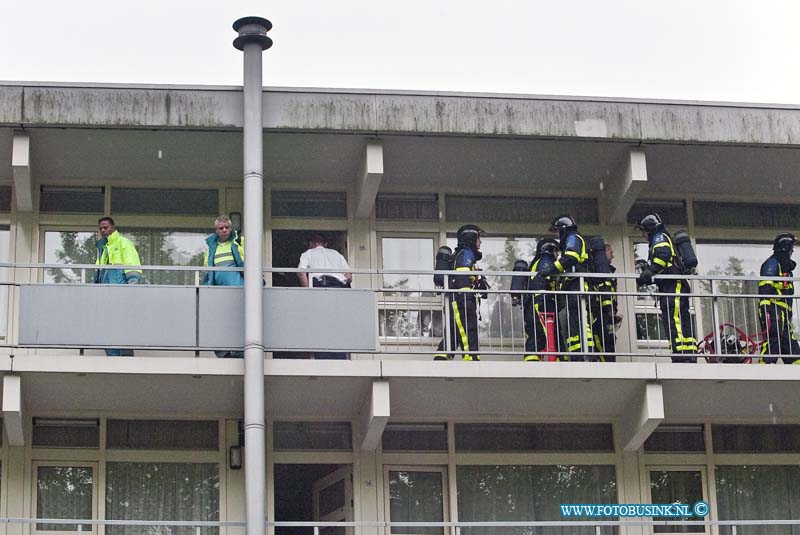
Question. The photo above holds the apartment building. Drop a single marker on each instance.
(389, 435)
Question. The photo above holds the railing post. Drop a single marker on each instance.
(584, 327)
(446, 317)
(715, 323)
(733, 530)
(197, 530)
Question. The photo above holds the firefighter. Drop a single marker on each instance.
(664, 260)
(775, 305)
(538, 309)
(463, 303)
(574, 259)
(605, 319)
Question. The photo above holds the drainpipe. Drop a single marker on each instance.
(253, 41)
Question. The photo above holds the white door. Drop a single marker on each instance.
(416, 494)
(678, 484)
(333, 500)
(64, 490)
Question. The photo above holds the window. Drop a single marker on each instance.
(316, 204)
(672, 212)
(161, 247)
(756, 438)
(677, 486)
(329, 436)
(531, 493)
(163, 435)
(410, 313)
(64, 492)
(407, 207)
(741, 259)
(534, 437)
(162, 491)
(415, 437)
(750, 215)
(500, 320)
(758, 493)
(164, 201)
(5, 275)
(676, 439)
(416, 495)
(63, 433)
(519, 209)
(72, 199)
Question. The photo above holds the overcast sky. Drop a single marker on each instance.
(717, 50)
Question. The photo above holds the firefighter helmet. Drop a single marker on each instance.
(784, 242)
(547, 245)
(468, 236)
(650, 223)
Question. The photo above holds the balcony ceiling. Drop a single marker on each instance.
(534, 166)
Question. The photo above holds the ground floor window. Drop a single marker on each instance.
(162, 491)
(758, 492)
(530, 493)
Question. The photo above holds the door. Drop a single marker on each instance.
(64, 490)
(416, 494)
(678, 484)
(333, 500)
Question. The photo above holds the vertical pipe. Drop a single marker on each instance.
(253, 41)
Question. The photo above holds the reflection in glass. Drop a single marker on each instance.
(155, 247)
(407, 254)
(522, 493)
(416, 497)
(162, 491)
(741, 259)
(676, 487)
(498, 318)
(758, 493)
(404, 323)
(5, 275)
(63, 492)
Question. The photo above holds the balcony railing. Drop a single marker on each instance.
(375, 319)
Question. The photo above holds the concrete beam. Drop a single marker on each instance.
(621, 192)
(375, 415)
(21, 163)
(369, 179)
(12, 409)
(642, 417)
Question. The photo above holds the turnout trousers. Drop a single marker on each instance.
(678, 322)
(462, 326)
(780, 338)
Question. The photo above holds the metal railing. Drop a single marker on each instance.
(720, 312)
(456, 527)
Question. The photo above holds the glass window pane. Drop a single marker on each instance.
(741, 259)
(676, 438)
(5, 276)
(407, 254)
(534, 437)
(413, 207)
(52, 434)
(676, 487)
(758, 493)
(330, 436)
(415, 437)
(162, 491)
(518, 493)
(672, 212)
(316, 204)
(164, 201)
(416, 497)
(331, 498)
(64, 492)
(395, 319)
(750, 215)
(756, 438)
(163, 435)
(518, 209)
(72, 199)
(498, 318)
(155, 247)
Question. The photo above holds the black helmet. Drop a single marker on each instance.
(784, 242)
(565, 222)
(650, 223)
(468, 235)
(547, 245)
